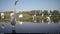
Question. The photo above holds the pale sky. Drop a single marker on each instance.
(7, 5)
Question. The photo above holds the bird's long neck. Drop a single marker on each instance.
(14, 12)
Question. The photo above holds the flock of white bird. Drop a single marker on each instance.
(21, 15)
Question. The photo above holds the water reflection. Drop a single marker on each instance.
(47, 20)
(2, 27)
(29, 25)
(35, 21)
(13, 28)
(40, 19)
(13, 31)
(20, 22)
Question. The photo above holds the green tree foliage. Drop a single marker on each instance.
(55, 15)
(55, 12)
(45, 13)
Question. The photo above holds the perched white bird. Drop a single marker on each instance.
(21, 15)
(2, 15)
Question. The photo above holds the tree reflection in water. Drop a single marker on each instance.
(3, 27)
(51, 20)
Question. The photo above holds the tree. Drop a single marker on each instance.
(55, 15)
(45, 13)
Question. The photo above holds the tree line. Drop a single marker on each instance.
(55, 14)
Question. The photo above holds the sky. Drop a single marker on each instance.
(27, 5)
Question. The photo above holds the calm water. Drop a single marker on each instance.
(29, 27)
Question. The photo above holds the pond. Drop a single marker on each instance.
(29, 27)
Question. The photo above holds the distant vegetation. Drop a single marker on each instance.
(27, 15)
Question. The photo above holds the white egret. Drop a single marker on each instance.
(21, 15)
(11, 14)
(2, 15)
(48, 19)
